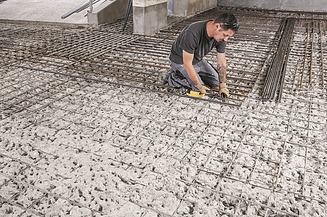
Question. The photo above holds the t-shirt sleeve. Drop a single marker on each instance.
(189, 42)
(221, 47)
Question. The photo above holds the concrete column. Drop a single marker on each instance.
(149, 16)
(191, 7)
(108, 12)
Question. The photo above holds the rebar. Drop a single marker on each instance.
(47, 69)
(321, 55)
(305, 55)
(127, 13)
(311, 56)
(275, 75)
(137, 60)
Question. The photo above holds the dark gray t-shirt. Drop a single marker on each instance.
(195, 40)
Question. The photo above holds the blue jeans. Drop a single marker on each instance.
(206, 74)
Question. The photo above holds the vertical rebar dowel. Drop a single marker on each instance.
(321, 56)
(305, 54)
(312, 39)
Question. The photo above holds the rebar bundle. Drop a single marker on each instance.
(273, 84)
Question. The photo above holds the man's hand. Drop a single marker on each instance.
(223, 91)
(203, 89)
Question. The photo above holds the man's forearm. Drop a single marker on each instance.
(221, 73)
(192, 74)
(187, 62)
(221, 67)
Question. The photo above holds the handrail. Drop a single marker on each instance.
(80, 8)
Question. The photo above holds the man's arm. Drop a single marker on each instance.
(221, 67)
(187, 62)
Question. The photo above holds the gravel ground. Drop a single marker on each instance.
(96, 149)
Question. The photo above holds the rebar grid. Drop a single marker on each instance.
(157, 153)
(103, 52)
(129, 134)
(274, 80)
(307, 53)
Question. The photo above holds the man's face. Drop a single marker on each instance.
(220, 34)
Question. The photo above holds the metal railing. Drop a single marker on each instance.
(80, 8)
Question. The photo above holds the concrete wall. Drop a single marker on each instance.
(108, 12)
(287, 5)
(148, 20)
(191, 7)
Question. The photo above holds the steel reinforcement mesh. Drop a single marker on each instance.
(123, 58)
(254, 160)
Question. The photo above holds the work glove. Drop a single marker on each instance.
(203, 89)
(223, 91)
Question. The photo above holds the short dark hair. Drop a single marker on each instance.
(227, 21)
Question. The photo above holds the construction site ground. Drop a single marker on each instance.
(86, 129)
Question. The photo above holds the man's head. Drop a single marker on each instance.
(224, 26)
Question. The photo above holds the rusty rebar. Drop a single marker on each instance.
(274, 80)
(311, 56)
(321, 55)
(305, 55)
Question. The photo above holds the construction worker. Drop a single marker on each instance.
(188, 68)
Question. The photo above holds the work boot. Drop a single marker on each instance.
(163, 78)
